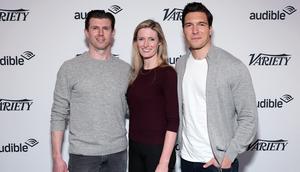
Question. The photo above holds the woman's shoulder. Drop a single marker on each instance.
(167, 68)
(167, 71)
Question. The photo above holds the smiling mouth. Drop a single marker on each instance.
(101, 39)
(146, 51)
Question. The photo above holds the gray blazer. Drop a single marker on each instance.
(230, 102)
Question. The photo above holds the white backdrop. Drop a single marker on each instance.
(35, 41)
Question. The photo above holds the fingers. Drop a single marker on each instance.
(209, 163)
(226, 163)
(213, 162)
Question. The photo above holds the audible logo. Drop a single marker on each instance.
(274, 103)
(115, 9)
(16, 60)
(273, 14)
(19, 147)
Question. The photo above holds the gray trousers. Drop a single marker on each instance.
(116, 162)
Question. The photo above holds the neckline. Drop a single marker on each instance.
(147, 71)
(150, 69)
(98, 61)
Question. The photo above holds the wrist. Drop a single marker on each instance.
(56, 156)
(164, 162)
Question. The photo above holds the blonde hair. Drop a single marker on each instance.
(137, 60)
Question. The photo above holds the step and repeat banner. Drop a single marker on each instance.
(36, 37)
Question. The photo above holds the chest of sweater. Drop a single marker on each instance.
(98, 81)
(148, 87)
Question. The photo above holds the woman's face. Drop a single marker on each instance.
(147, 43)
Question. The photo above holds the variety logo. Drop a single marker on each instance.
(269, 59)
(13, 15)
(268, 145)
(16, 60)
(273, 15)
(274, 103)
(19, 147)
(15, 105)
(115, 9)
(174, 14)
(173, 60)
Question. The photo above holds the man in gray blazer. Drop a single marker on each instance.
(216, 99)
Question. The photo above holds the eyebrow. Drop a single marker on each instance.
(199, 22)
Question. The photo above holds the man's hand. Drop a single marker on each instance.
(213, 162)
(162, 167)
(226, 163)
(59, 165)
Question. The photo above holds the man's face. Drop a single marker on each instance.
(99, 34)
(196, 30)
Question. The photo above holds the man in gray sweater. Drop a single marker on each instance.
(89, 97)
(217, 104)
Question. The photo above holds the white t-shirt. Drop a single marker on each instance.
(196, 145)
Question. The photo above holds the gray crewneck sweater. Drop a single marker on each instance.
(90, 96)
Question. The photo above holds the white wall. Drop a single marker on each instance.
(52, 34)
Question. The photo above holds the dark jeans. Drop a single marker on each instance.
(187, 166)
(107, 163)
(145, 158)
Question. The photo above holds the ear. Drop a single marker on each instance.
(210, 30)
(114, 32)
(86, 33)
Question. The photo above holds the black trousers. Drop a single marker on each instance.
(187, 166)
(145, 158)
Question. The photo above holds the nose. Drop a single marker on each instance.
(146, 43)
(100, 32)
(195, 29)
